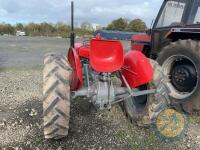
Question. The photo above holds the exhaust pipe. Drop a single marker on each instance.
(72, 35)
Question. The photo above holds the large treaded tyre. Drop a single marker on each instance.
(144, 109)
(56, 92)
(185, 55)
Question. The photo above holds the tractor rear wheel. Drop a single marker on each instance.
(144, 109)
(181, 63)
(56, 91)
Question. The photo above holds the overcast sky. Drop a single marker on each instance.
(96, 11)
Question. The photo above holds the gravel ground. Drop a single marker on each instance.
(21, 109)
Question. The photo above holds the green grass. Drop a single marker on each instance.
(121, 135)
(148, 142)
(134, 142)
(134, 147)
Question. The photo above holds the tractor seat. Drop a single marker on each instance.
(106, 55)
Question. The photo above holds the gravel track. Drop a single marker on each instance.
(21, 109)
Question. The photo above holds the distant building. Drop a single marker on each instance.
(20, 33)
(96, 26)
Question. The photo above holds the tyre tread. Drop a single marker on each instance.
(56, 102)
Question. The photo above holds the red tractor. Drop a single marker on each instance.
(174, 43)
(101, 71)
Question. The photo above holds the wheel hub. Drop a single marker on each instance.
(184, 77)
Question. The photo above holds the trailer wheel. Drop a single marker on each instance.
(56, 92)
(144, 109)
(181, 63)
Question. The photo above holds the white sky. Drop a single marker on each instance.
(95, 11)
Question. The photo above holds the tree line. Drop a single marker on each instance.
(122, 24)
(43, 29)
(63, 30)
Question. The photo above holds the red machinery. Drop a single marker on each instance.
(108, 56)
(140, 42)
(101, 71)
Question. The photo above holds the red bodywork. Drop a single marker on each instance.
(139, 41)
(106, 55)
(83, 50)
(77, 75)
(137, 69)
(78, 45)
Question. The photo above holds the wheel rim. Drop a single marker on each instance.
(183, 76)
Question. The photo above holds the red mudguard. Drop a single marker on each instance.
(137, 69)
(76, 78)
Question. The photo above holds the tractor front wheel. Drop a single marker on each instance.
(56, 91)
(144, 109)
